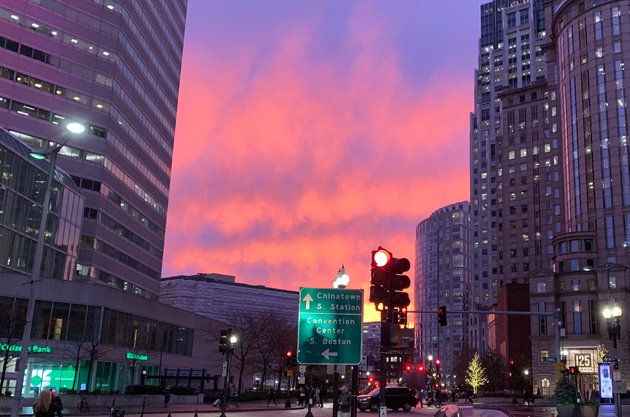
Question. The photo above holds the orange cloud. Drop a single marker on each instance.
(287, 167)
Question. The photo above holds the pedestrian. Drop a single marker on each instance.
(234, 396)
(323, 392)
(345, 402)
(271, 396)
(44, 407)
(301, 396)
(167, 395)
(420, 397)
(316, 397)
(56, 402)
(469, 397)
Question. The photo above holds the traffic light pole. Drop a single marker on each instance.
(555, 314)
(224, 397)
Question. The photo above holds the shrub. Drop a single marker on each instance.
(565, 392)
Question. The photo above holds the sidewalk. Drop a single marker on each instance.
(171, 409)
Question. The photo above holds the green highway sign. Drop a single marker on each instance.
(330, 326)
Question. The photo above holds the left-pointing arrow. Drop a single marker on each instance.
(328, 353)
(308, 300)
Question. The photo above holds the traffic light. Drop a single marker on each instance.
(441, 315)
(574, 370)
(387, 281)
(408, 368)
(438, 362)
(288, 358)
(400, 316)
(512, 368)
(370, 380)
(224, 341)
(421, 368)
(398, 283)
(379, 294)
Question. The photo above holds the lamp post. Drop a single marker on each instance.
(341, 281)
(612, 315)
(226, 383)
(611, 312)
(20, 368)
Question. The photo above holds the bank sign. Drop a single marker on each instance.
(18, 348)
(330, 326)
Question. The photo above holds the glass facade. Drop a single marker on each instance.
(89, 333)
(23, 183)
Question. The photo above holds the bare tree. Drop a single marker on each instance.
(12, 313)
(244, 324)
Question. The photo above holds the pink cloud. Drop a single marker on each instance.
(285, 172)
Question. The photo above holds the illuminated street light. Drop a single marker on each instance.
(20, 368)
(341, 279)
(612, 315)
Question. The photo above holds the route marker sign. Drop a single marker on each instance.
(330, 326)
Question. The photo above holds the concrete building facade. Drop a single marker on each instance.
(510, 56)
(114, 67)
(442, 278)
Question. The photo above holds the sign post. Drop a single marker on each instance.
(330, 326)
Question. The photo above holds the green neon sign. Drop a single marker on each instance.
(18, 348)
(137, 356)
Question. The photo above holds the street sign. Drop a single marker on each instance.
(330, 326)
(549, 359)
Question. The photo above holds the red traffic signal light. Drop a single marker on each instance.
(408, 368)
(370, 379)
(381, 257)
(511, 362)
(441, 315)
(289, 354)
(438, 362)
(421, 368)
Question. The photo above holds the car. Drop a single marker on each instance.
(395, 398)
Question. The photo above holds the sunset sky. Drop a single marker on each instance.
(311, 132)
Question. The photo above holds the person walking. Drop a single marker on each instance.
(323, 392)
(56, 402)
(234, 396)
(44, 406)
(316, 397)
(271, 396)
(345, 402)
(167, 396)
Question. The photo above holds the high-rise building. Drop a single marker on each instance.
(510, 57)
(589, 43)
(442, 275)
(113, 66)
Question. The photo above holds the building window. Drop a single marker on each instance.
(541, 287)
(592, 317)
(577, 317)
(544, 353)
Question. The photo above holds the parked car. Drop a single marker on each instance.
(395, 398)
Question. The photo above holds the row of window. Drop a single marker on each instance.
(77, 322)
(51, 88)
(92, 243)
(91, 75)
(45, 115)
(111, 280)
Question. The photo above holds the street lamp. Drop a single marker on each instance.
(612, 316)
(20, 368)
(228, 355)
(341, 279)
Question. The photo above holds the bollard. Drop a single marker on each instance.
(196, 415)
(169, 414)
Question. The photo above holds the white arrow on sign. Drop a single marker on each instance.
(308, 300)
(328, 353)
